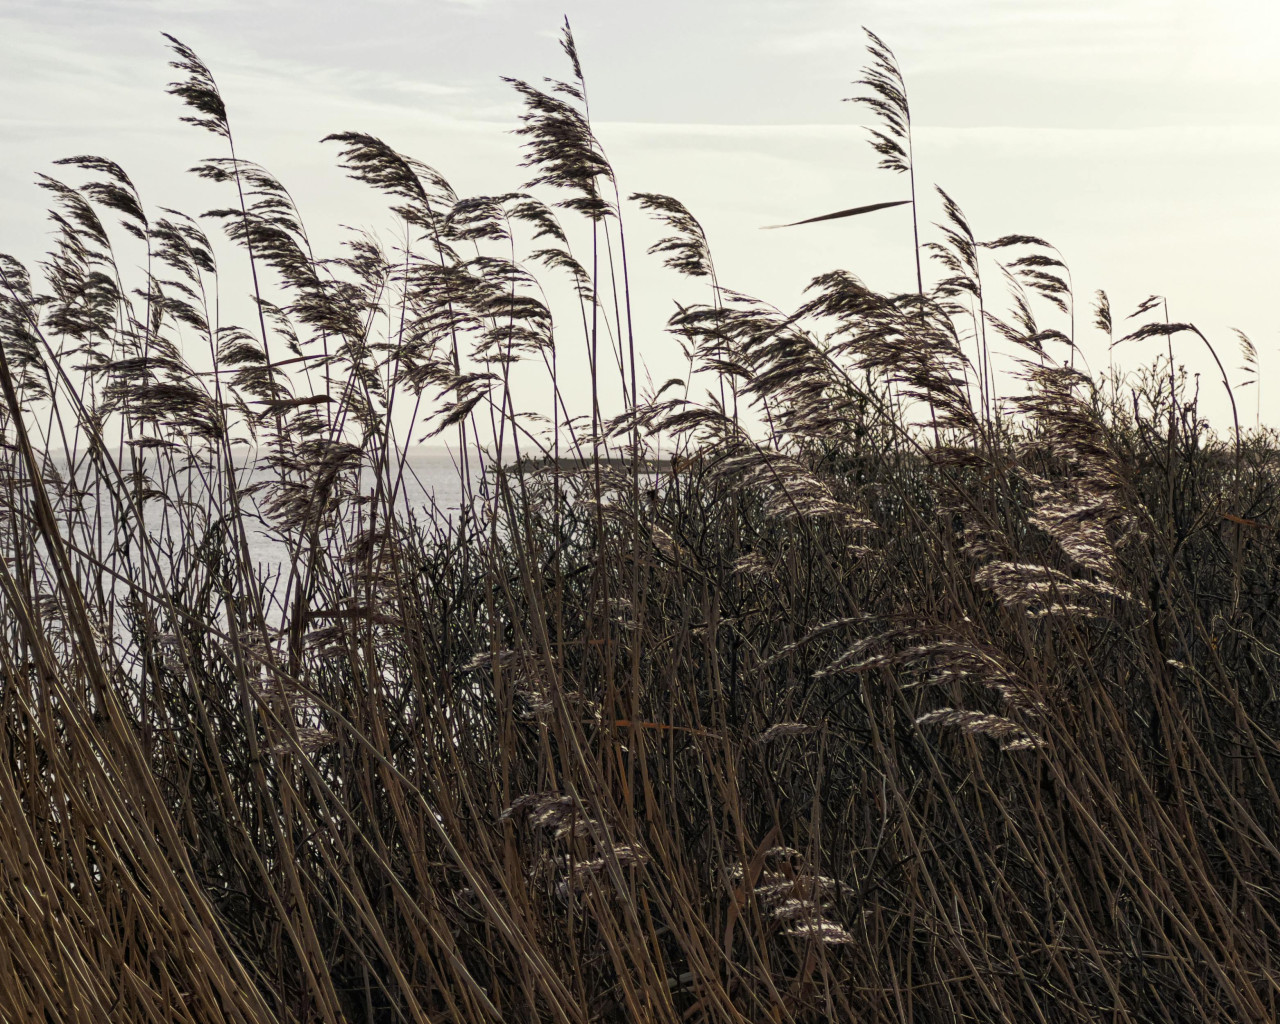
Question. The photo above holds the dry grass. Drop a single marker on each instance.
(872, 704)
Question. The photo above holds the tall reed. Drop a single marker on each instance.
(863, 703)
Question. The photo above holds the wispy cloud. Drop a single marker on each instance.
(1112, 40)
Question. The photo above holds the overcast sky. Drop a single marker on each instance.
(1142, 137)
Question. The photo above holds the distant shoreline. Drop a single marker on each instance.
(574, 464)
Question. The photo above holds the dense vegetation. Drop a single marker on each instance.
(884, 699)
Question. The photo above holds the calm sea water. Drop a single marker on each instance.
(430, 489)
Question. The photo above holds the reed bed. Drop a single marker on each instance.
(830, 681)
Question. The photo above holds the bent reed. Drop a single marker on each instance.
(873, 696)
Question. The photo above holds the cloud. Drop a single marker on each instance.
(1181, 207)
(1107, 40)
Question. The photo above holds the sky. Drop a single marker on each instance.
(1141, 137)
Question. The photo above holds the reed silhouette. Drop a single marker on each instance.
(834, 679)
